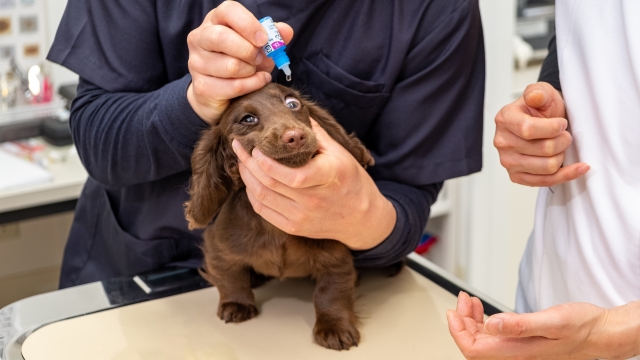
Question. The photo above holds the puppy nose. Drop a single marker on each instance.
(294, 138)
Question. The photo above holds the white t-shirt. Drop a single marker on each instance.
(585, 245)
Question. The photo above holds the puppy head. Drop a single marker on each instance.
(274, 119)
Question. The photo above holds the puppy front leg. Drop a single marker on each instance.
(335, 326)
(233, 281)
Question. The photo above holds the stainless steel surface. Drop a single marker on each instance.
(20, 319)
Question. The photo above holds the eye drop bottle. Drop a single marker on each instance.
(275, 46)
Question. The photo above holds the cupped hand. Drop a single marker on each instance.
(568, 331)
(226, 59)
(531, 138)
(331, 197)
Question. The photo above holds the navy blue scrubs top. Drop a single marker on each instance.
(407, 76)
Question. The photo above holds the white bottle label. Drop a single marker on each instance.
(275, 40)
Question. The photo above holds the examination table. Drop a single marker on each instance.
(172, 315)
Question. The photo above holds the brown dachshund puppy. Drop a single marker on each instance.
(240, 243)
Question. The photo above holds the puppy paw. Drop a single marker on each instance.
(337, 337)
(236, 312)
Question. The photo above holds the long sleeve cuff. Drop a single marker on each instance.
(412, 209)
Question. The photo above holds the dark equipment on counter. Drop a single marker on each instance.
(54, 128)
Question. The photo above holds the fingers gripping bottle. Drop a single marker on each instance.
(275, 46)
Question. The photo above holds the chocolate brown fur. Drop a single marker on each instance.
(240, 241)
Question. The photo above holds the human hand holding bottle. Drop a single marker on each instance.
(226, 59)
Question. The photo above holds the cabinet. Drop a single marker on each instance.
(443, 223)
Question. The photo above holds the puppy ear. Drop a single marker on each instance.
(337, 132)
(214, 176)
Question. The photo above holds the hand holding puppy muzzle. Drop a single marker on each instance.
(331, 197)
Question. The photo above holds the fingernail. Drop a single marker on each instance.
(235, 144)
(257, 154)
(527, 96)
(583, 169)
(267, 77)
(566, 124)
(531, 93)
(259, 58)
(261, 38)
(493, 326)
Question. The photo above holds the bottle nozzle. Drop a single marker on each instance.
(287, 71)
(275, 46)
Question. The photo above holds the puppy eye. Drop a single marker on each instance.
(249, 119)
(292, 103)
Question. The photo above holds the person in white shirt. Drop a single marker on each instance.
(580, 274)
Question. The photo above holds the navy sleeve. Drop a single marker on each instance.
(550, 71)
(129, 138)
(131, 121)
(412, 208)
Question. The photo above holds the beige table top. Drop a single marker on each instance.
(402, 318)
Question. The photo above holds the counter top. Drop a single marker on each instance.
(68, 179)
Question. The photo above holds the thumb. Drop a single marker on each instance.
(325, 141)
(520, 325)
(543, 100)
